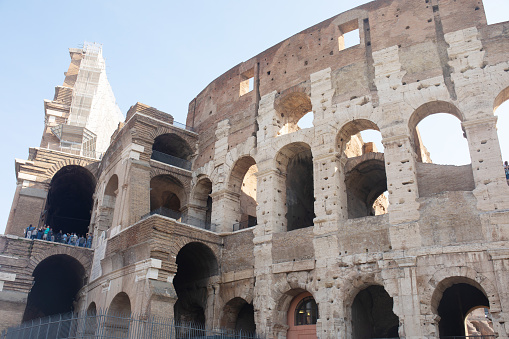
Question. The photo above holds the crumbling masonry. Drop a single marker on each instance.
(241, 219)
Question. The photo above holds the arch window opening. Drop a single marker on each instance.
(365, 178)
(172, 150)
(238, 315)
(166, 194)
(502, 112)
(372, 315)
(109, 201)
(458, 311)
(57, 280)
(300, 208)
(199, 212)
(243, 183)
(291, 109)
(69, 202)
(196, 263)
(302, 317)
(91, 321)
(452, 146)
(119, 313)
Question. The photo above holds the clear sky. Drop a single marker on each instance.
(161, 53)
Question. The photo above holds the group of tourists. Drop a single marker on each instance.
(46, 233)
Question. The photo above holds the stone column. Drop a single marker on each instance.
(405, 294)
(271, 197)
(500, 258)
(491, 188)
(225, 212)
(403, 192)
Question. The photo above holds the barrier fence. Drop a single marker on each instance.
(108, 325)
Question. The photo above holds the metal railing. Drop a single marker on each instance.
(183, 126)
(186, 219)
(486, 336)
(108, 325)
(171, 160)
(244, 224)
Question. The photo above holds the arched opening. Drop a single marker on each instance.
(302, 317)
(109, 200)
(91, 320)
(366, 184)
(57, 280)
(242, 183)
(166, 196)
(173, 150)
(479, 322)
(440, 148)
(456, 298)
(501, 110)
(306, 121)
(238, 315)
(69, 202)
(364, 171)
(118, 316)
(196, 263)
(296, 160)
(291, 108)
(372, 315)
(200, 207)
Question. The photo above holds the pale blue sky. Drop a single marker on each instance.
(161, 53)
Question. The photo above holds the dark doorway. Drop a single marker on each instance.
(69, 202)
(239, 315)
(372, 315)
(456, 303)
(196, 263)
(57, 280)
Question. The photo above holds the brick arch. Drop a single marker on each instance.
(160, 130)
(84, 257)
(446, 277)
(181, 241)
(68, 162)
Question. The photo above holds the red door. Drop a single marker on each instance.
(302, 316)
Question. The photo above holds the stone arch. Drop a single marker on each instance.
(118, 316)
(168, 193)
(50, 173)
(295, 162)
(502, 97)
(452, 300)
(200, 203)
(422, 112)
(290, 107)
(70, 197)
(366, 182)
(172, 144)
(57, 280)
(238, 314)
(196, 264)
(84, 257)
(91, 320)
(242, 187)
(349, 130)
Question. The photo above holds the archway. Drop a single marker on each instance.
(296, 160)
(365, 186)
(456, 298)
(291, 108)
(302, 317)
(243, 184)
(166, 196)
(196, 263)
(109, 200)
(118, 316)
(91, 321)
(200, 206)
(501, 110)
(238, 315)
(173, 150)
(372, 315)
(69, 202)
(364, 171)
(57, 280)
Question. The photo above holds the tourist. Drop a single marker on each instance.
(506, 169)
(89, 240)
(64, 238)
(58, 237)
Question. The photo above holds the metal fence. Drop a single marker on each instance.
(171, 160)
(244, 224)
(183, 218)
(183, 126)
(105, 325)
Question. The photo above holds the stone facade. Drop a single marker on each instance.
(236, 214)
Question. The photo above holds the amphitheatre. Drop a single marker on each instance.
(239, 219)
